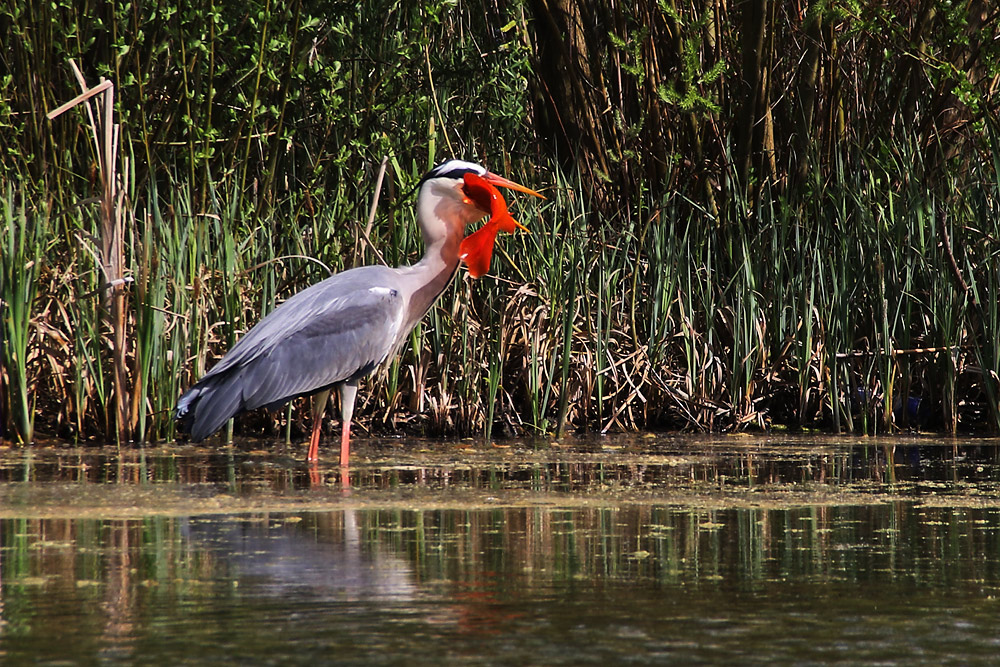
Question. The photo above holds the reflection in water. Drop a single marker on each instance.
(657, 551)
(653, 580)
(321, 559)
(644, 465)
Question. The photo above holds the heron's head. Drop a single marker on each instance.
(446, 204)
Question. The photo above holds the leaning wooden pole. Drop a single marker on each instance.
(112, 253)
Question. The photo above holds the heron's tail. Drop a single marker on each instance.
(205, 407)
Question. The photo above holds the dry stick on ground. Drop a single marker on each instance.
(112, 257)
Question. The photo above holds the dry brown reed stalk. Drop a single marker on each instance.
(105, 133)
(366, 231)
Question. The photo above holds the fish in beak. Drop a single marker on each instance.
(476, 249)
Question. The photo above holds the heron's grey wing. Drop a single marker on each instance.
(299, 311)
(346, 339)
(337, 329)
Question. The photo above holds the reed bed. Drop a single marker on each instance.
(861, 299)
(794, 321)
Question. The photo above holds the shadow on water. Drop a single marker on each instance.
(643, 550)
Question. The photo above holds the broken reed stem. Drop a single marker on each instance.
(366, 232)
(112, 257)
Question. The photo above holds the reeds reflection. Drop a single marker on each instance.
(115, 583)
(181, 555)
(726, 464)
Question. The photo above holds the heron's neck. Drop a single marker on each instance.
(432, 273)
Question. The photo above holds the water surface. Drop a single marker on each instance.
(637, 550)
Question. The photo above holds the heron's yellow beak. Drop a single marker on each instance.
(502, 182)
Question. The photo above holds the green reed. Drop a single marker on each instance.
(693, 285)
(23, 252)
(802, 312)
(984, 276)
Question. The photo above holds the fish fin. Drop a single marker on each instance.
(507, 223)
(476, 249)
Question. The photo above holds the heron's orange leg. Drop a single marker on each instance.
(313, 455)
(348, 391)
(319, 407)
(345, 442)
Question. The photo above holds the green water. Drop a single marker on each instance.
(627, 551)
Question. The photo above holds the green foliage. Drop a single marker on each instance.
(712, 255)
(22, 250)
(238, 92)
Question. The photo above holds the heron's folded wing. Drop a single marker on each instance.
(346, 338)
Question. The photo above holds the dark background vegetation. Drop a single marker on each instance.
(759, 213)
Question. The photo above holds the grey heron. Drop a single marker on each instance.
(334, 333)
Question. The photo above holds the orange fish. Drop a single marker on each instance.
(477, 248)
